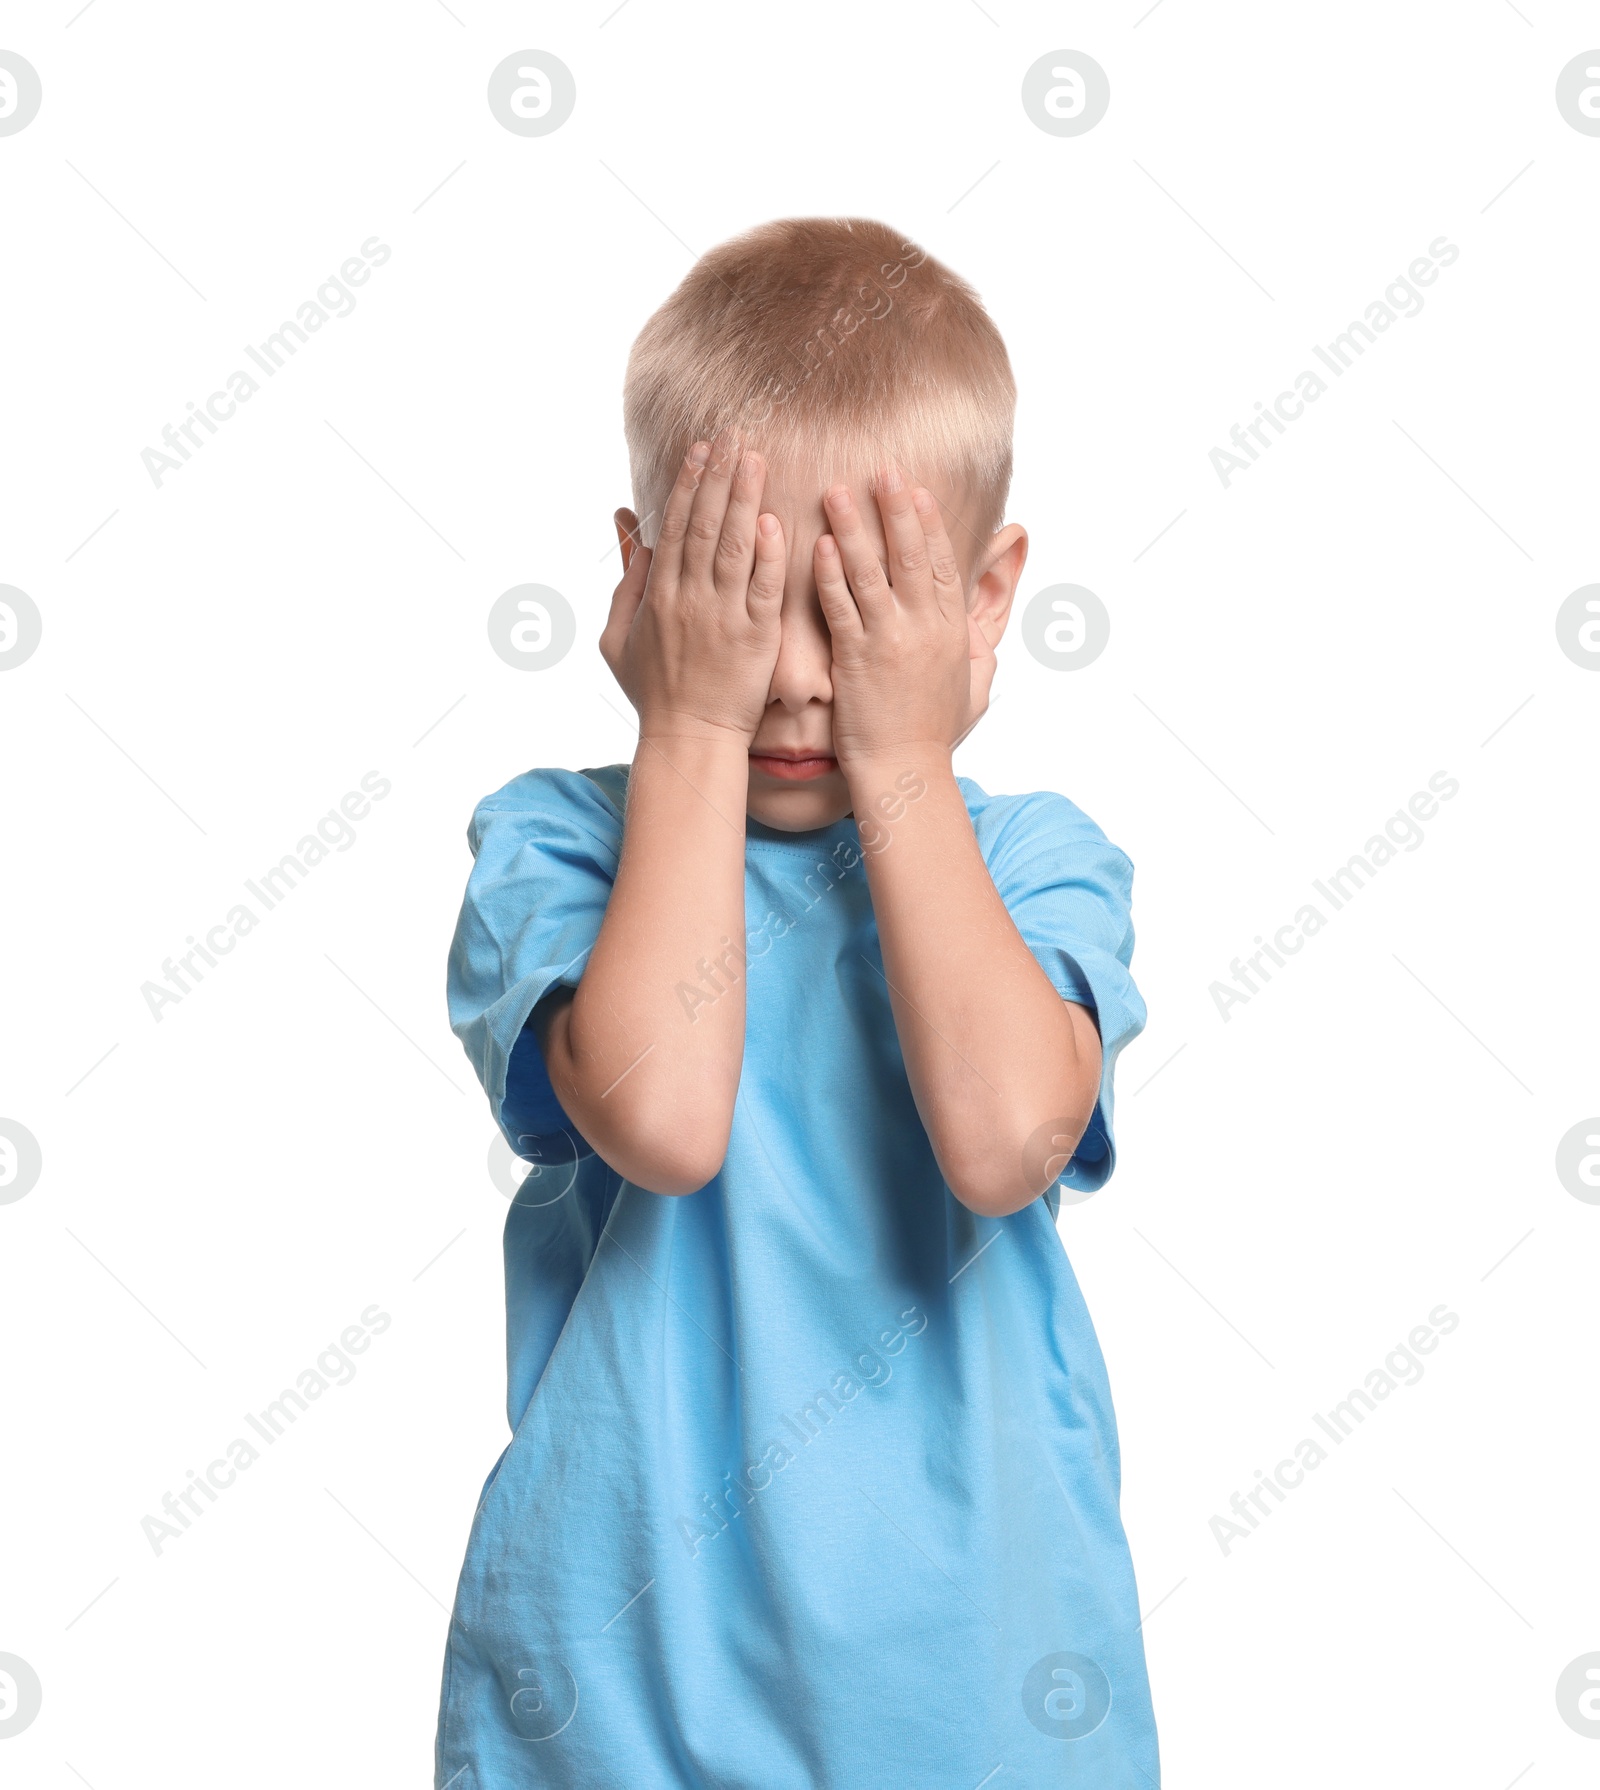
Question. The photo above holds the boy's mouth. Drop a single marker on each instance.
(793, 767)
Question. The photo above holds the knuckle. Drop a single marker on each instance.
(733, 551)
(704, 529)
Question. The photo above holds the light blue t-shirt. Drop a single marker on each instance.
(813, 1478)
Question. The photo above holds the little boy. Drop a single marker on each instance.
(813, 1477)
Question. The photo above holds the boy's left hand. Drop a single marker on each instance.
(902, 683)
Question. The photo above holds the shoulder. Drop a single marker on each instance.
(1041, 826)
(552, 803)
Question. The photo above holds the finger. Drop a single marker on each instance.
(675, 517)
(630, 535)
(869, 583)
(628, 595)
(943, 566)
(737, 548)
(839, 608)
(765, 597)
(704, 527)
(909, 574)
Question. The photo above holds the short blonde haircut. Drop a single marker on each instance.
(833, 341)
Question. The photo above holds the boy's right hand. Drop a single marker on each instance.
(693, 633)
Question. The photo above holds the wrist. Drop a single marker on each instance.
(870, 775)
(714, 763)
(886, 788)
(664, 726)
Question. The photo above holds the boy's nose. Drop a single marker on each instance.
(804, 670)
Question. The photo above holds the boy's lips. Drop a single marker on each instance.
(793, 766)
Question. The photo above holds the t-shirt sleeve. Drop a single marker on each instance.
(1069, 891)
(544, 860)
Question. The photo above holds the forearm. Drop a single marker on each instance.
(998, 1061)
(646, 1057)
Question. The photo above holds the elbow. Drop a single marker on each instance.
(989, 1197)
(662, 1157)
(677, 1172)
(669, 1140)
(997, 1182)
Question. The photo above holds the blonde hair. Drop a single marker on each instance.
(834, 340)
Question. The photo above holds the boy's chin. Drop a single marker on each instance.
(799, 807)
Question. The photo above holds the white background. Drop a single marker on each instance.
(301, 1136)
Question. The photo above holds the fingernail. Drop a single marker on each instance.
(839, 497)
(768, 525)
(891, 478)
(924, 501)
(825, 547)
(748, 466)
(700, 453)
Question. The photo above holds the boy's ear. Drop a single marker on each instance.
(991, 596)
(988, 609)
(627, 537)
